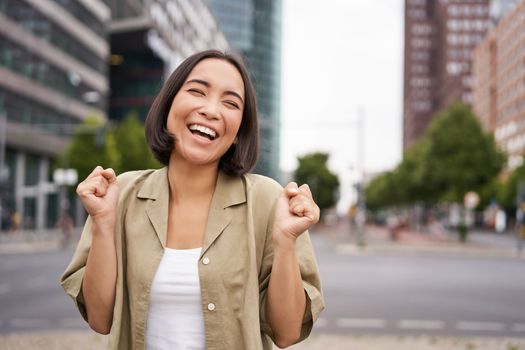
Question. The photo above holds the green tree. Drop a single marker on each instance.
(380, 192)
(509, 190)
(313, 170)
(92, 144)
(453, 157)
(460, 157)
(403, 185)
(131, 145)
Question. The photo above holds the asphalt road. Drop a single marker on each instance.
(31, 298)
(398, 293)
(427, 293)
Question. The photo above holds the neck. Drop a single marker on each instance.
(190, 181)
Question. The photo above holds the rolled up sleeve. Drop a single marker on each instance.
(311, 284)
(71, 280)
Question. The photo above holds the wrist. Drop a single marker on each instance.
(283, 241)
(104, 223)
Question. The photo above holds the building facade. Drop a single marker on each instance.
(253, 28)
(59, 60)
(148, 41)
(53, 74)
(439, 38)
(499, 83)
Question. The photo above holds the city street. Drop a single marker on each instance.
(432, 293)
(398, 292)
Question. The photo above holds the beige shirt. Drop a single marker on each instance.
(234, 265)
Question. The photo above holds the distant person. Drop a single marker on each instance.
(16, 220)
(65, 224)
(199, 254)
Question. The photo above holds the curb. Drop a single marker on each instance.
(471, 252)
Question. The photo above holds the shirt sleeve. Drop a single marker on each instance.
(310, 278)
(72, 278)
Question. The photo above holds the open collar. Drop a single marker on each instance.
(229, 191)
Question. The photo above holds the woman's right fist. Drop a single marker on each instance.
(99, 193)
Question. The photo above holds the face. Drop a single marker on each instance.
(206, 113)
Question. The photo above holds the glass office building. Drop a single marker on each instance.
(52, 76)
(149, 39)
(253, 29)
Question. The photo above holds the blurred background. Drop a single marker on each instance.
(406, 117)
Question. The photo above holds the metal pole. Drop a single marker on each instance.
(3, 127)
(361, 204)
(3, 168)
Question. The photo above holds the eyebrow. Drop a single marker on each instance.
(207, 84)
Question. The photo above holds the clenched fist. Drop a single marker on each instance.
(99, 194)
(295, 212)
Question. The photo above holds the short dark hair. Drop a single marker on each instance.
(240, 157)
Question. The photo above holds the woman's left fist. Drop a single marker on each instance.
(295, 212)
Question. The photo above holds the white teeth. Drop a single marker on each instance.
(203, 129)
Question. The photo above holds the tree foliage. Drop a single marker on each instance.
(313, 170)
(132, 147)
(454, 157)
(460, 157)
(92, 144)
(509, 190)
(122, 148)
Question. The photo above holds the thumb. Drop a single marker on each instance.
(291, 190)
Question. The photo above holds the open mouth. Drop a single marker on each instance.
(203, 131)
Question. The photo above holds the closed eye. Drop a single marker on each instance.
(196, 92)
(232, 104)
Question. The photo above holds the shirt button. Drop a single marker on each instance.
(206, 261)
(211, 306)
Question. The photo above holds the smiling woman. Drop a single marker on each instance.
(238, 159)
(199, 254)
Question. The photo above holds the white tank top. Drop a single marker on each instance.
(175, 320)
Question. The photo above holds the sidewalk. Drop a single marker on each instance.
(91, 341)
(376, 239)
(28, 241)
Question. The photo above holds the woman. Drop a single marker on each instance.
(198, 254)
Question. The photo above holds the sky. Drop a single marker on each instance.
(342, 61)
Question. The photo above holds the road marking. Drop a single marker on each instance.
(29, 323)
(518, 327)
(480, 326)
(420, 324)
(361, 323)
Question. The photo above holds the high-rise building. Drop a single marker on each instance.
(149, 39)
(54, 72)
(499, 83)
(253, 28)
(53, 57)
(439, 38)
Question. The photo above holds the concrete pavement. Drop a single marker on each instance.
(342, 234)
(377, 240)
(91, 341)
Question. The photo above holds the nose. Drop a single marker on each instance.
(210, 109)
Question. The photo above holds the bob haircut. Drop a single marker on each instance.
(240, 157)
